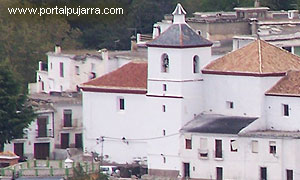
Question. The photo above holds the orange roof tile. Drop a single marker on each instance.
(287, 86)
(131, 77)
(258, 57)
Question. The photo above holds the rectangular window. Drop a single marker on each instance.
(272, 147)
(203, 151)
(164, 108)
(67, 118)
(164, 87)
(64, 140)
(121, 104)
(254, 146)
(77, 72)
(233, 146)
(229, 104)
(188, 143)
(289, 174)
(263, 173)
(285, 110)
(219, 175)
(218, 148)
(61, 69)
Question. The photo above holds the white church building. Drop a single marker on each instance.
(191, 116)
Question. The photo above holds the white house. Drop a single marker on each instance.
(248, 129)
(142, 106)
(65, 70)
(57, 127)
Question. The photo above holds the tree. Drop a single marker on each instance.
(15, 112)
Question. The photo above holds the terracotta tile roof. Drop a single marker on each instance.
(259, 57)
(131, 77)
(287, 86)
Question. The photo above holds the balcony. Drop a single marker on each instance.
(74, 123)
(44, 133)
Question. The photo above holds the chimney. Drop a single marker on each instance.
(256, 3)
(104, 53)
(57, 49)
(156, 31)
(133, 43)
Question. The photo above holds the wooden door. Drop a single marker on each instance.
(41, 150)
(19, 149)
(64, 140)
(78, 141)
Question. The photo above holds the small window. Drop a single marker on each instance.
(164, 87)
(188, 143)
(164, 159)
(67, 118)
(61, 88)
(163, 108)
(285, 110)
(289, 174)
(218, 149)
(164, 132)
(51, 66)
(272, 147)
(203, 151)
(165, 63)
(254, 146)
(229, 104)
(219, 174)
(77, 72)
(61, 69)
(233, 146)
(196, 64)
(121, 104)
(199, 32)
(263, 173)
(289, 49)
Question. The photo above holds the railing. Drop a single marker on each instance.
(46, 168)
(75, 123)
(41, 134)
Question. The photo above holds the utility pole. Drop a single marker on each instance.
(102, 143)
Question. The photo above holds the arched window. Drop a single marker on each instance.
(165, 63)
(196, 64)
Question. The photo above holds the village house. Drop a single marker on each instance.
(57, 102)
(65, 70)
(196, 117)
(58, 126)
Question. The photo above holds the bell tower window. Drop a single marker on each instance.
(196, 64)
(165, 63)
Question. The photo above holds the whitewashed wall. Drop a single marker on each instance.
(275, 118)
(246, 92)
(31, 137)
(243, 164)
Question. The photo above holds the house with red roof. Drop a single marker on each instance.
(190, 116)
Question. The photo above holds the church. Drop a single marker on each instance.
(188, 115)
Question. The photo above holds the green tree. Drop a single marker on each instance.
(26, 38)
(15, 112)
